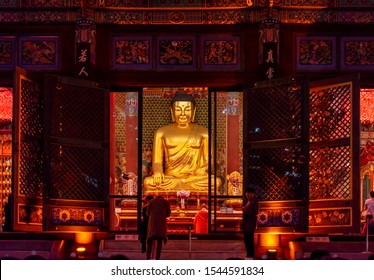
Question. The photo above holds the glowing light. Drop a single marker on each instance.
(80, 253)
(6, 101)
(84, 237)
(269, 240)
(367, 107)
(272, 254)
(81, 249)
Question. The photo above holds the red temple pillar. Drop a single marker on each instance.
(132, 133)
(112, 141)
(233, 134)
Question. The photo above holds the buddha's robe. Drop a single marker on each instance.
(181, 154)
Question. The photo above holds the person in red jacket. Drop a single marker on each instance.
(370, 223)
(200, 224)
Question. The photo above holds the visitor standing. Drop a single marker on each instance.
(369, 206)
(369, 215)
(200, 224)
(158, 210)
(144, 224)
(249, 223)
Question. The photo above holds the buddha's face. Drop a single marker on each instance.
(183, 112)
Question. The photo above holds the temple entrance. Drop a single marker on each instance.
(61, 155)
(217, 200)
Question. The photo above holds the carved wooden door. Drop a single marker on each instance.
(28, 183)
(76, 136)
(302, 154)
(334, 168)
(276, 152)
(61, 152)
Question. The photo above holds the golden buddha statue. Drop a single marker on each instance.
(180, 152)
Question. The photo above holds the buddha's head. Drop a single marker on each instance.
(183, 108)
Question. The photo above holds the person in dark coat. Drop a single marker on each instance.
(158, 210)
(249, 223)
(144, 224)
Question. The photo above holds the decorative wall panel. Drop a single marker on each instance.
(188, 11)
(330, 217)
(176, 53)
(9, 3)
(304, 3)
(10, 17)
(307, 16)
(132, 53)
(278, 217)
(221, 53)
(353, 3)
(31, 215)
(7, 52)
(357, 53)
(39, 52)
(315, 53)
(77, 216)
(47, 17)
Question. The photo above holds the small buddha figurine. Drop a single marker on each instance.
(180, 152)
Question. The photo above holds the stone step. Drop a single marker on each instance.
(349, 249)
(177, 249)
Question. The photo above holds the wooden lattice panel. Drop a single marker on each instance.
(31, 108)
(30, 150)
(221, 153)
(156, 113)
(329, 170)
(77, 173)
(72, 120)
(330, 131)
(330, 113)
(120, 123)
(284, 121)
(221, 121)
(276, 173)
(31, 181)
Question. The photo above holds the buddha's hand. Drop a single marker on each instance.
(158, 178)
(201, 171)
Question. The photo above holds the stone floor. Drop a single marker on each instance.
(179, 247)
